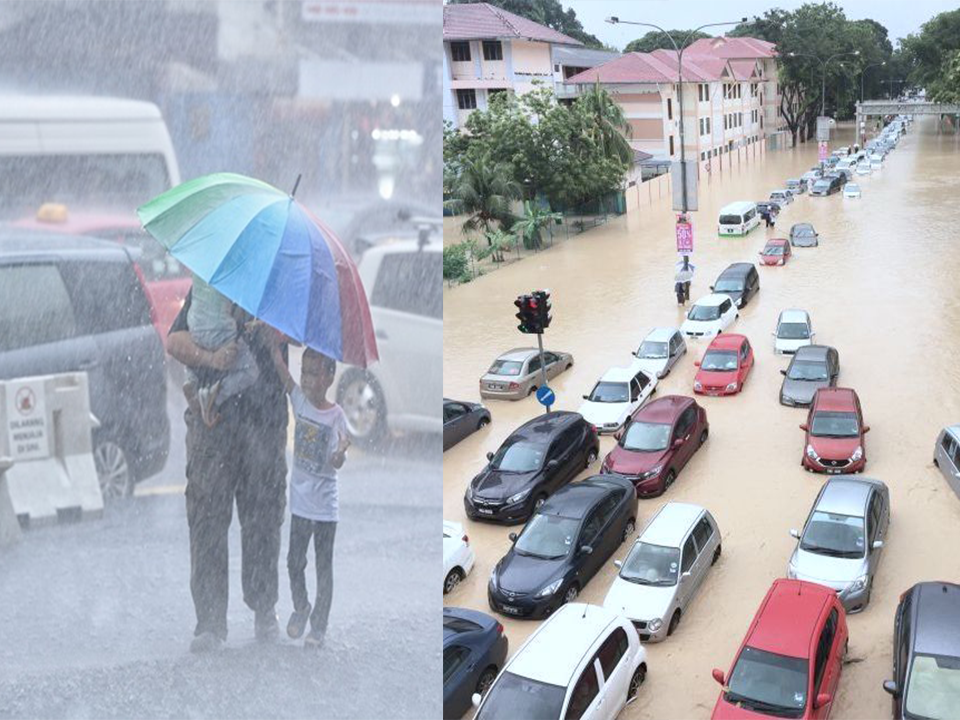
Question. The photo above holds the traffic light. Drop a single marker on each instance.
(528, 315)
(543, 308)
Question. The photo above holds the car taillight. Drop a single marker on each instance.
(514, 386)
(499, 629)
(465, 539)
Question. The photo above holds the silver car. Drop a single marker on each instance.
(946, 456)
(516, 373)
(811, 368)
(842, 540)
(664, 569)
(659, 351)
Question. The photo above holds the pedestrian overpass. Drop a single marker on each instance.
(882, 108)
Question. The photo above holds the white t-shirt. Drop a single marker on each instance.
(313, 480)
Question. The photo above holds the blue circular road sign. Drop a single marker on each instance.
(546, 396)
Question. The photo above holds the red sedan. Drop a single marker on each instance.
(657, 441)
(776, 252)
(725, 366)
(834, 433)
(790, 661)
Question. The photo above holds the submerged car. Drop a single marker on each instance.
(946, 456)
(740, 281)
(803, 235)
(784, 197)
(474, 650)
(457, 555)
(516, 373)
(797, 186)
(863, 168)
(793, 332)
(461, 419)
(826, 186)
(709, 316)
(725, 366)
(812, 367)
(842, 540)
(776, 252)
(852, 190)
(615, 396)
(659, 351)
(834, 441)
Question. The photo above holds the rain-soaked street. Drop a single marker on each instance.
(880, 288)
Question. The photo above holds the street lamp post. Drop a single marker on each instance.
(864, 72)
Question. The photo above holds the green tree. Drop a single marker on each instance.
(769, 27)
(610, 124)
(546, 12)
(938, 38)
(946, 88)
(483, 190)
(530, 225)
(656, 40)
(454, 262)
(498, 242)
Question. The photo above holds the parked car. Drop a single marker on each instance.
(834, 441)
(797, 186)
(740, 281)
(76, 304)
(794, 331)
(812, 174)
(659, 351)
(516, 373)
(776, 252)
(665, 569)
(474, 651)
(458, 556)
(562, 546)
(657, 443)
(784, 197)
(615, 396)
(766, 206)
(852, 190)
(863, 168)
(926, 652)
(709, 316)
(842, 174)
(811, 368)
(461, 419)
(876, 163)
(537, 458)
(584, 662)
(827, 186)
(946, 456)
(842, 539)
(725, 366)
(398, 393)
(790, 661)
(804, 235)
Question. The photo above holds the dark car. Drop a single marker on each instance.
(568, 539)
(740, 281)
(537, 459)
(474, 651)
(72, 304)
(926, 652)
(461, 419)
(804, 235)
(827, 185)
(812, 367)
(765, 206)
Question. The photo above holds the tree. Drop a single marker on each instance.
(610, 124)
(546, 12)
(939, 38)
(946, 88)
(530, 224)
(769, 27)
(656, 40)
(483, 190)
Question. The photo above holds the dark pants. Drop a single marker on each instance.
(241, 460)
(301, 530)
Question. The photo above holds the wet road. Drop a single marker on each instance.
(880, 288)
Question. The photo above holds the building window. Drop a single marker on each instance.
(460, 51)
(708, 126)
(556, 68)
(467, 99)
(703, 156)
(670, 113)
(492, 50)
(671, 145)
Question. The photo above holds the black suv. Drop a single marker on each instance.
(538, 458)
(70, 304)
(740, 281)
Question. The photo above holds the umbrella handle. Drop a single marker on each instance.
(296, 185)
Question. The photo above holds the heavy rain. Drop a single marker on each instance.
(203, 203)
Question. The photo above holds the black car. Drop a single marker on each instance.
(72, 304)
(766, 206)
(537, 459)
(461, 419)
(562, 546)
(827, 185)
(926, 652)
(474, 650)
(740, 281)
(804, 235)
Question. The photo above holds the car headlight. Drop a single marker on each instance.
(519, 496)
(811, 453)
(651, 473)
(860, 583)
(655, 624)
(731, 386)
(697, 385)
(550, 589)
(857, 454)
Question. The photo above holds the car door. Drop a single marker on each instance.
(455, 425)
(947, 456)
(677, 348)
(571, 451)
(615, 671)
(753, 281)
(706, 538)
(876, 530)
(584, 699)
(683, 431)
(688, 559)
(534, 378)
(901, 649)
(746, 361)
(826, 664)
(636, 398)
(590, 535)
(457, 688)
(553, 364)
(833, 359)
(727, 313)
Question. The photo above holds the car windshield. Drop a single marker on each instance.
(821, 185)
(730, 220)
(807, 370)
(514, 696)
(609, 392)
(651, 565)
(652, 350)
(646, 437)
(505, 367)
(775, 250)
(728, 285)
(933, 690)
(835, 424)
(521, 456)
(547, 536)
(768, 683)
(793, 331)
(803, 231)
(853, 188)
(704, 312)
(719, 360)
(834, 535)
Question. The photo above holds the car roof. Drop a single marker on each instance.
(712, 299)
(786, 620)
(82, 223)
(544, 427)
(671, 524)
(576, 499)
(619, 374)
(798, 226)
(41, 108)
(727, 341)
(475, 616)
(781, 190)
(661, 334)
(794, 315)
(23, 243)
(736, 269)
(812, 352)
(778, 241)
(937, 618)
(518, 354)
(557, 647)
(846, 495)
(737, 207)
(663, 410)
(834, 398)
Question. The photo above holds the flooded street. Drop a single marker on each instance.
(880, 288)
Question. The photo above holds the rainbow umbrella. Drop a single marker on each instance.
(268, 254)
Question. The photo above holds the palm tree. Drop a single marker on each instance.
(533, 220)
(483, 190)
(610, 124)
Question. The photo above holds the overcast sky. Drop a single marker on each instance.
(900, 17)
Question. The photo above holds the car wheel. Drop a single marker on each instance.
(704, 435)
(639, 675)
(453, 579)
(363, 405)
(936, 463)
(538, 502)
(716, 555)
(668, 480)
(484, 421)
(113, 470)
(592, 456)
(486, 680)
(674, 622)
(571, 594)
(569, 365)
(532, 390)
(628, 529)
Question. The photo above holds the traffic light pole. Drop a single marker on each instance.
(543, 366)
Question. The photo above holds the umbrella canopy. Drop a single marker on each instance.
(267, 253)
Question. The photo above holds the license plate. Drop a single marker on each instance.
(494, 386)
(714, 393)
(485, 511)
(510, 610)
(834, 471)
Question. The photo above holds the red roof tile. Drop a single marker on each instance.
(482, 21)
(732, 48)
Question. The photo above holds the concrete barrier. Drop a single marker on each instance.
(45, 428)
(9, 527)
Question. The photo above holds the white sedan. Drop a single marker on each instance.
(851, 190)
(615, 397)
(709, 316)
(863, 168)
(794, 330)
(457, 555)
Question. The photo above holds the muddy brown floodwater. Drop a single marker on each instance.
(881, 288)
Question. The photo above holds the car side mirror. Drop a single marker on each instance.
(618, 563)
(866, 428)
(513, 537)
(586, 550)
(804, 427)
(891, 687)
(718, 676)
(489, 456)
(696, 363)
(794, 533)
(618, 435)
(677, 443)
(823, 699)
(475, 699)
(586, 397)
(877, 544)
(783, 372)
(634, 353)
(711, 287)
(551, 464)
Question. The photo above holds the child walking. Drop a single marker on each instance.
(320, 446)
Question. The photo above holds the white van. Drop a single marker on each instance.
(738, 218)
(94, 153)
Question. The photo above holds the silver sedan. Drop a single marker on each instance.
(516, 373)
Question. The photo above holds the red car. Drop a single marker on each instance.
(790, 661)
(657, 441)
(725, 366)
(165, 280)
(835, 430)
(776, 252)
